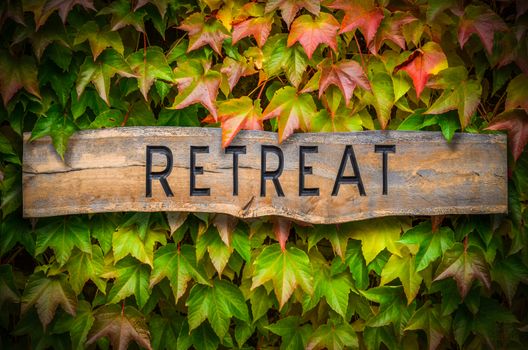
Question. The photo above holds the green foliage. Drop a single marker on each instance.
(178, 280)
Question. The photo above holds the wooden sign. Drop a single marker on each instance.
(316, 178)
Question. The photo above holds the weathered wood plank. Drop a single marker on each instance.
(105, 171)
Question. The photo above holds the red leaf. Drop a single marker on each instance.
(482, 21)
(346, 75)
(391, 29)
(516, 123)
(225, 225)
(366, 18)
(238, 114)
(259, 27)
(422, 64)
(290, 8)
(281, 228)
(235, 70)
(204, 32)
(65, 6)
(310, 32)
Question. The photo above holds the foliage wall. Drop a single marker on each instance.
(176, 280)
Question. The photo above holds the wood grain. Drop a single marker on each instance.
(104, 171)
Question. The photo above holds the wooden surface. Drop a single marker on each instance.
(104, 171)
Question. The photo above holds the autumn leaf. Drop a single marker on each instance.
(464, 264)
(278, 57)
(219, 252)
(429, 319)
(239, 114)
(293, 110)
(391, 29)
(516, 123)
(346, 75)
(422, 63)
(46, 294)
(225, 224)
(122, 16)
(234, 70)
(197, 83)
(286, 269)
(480, 20)
(290, 8)
(310, 32)
(259, 27)
(121, 326)
(517, 94)
(333, 336)
(42, 9)
(126, 240)
(15, 74)
(281, 228)
(203, 31)
(364, 16)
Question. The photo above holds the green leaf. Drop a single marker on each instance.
(103, 228)
(62, 235)
(83, 266)
(333, 336)
(178, 264)
(337, 238)
(218, 251)
(164, 331)
(431, 244)
(218, 304)
(149, 65)
(294, 334)
(11, 188)
(357, 265)
(429, 319)
(127, 240)
(286, 269)
(131, 278)
(122, 15)
(382, 95)
(8, 289)
(448, 123)
(107, 119)
(508, 273)
(404, 268)
(46, 294)
(99, 39)
(78, 326)
(279, 57)
(323, 121)
(179, 117)
(376, 235)
(294, 111)
(464, 264)
(58, 125)
(261, 302)
(120, 325)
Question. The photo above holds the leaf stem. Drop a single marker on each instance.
(262, 89)
(360, 53)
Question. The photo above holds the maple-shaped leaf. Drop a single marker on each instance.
(62, 235)
(422, 63)
(225, 224)
(392, 309)
(218, 304)
(404, 268)
(431, 245)
(429, 319)
(334, 335)
(46, 294)
(239, 114)
(376, 235)
(310, 32)
(259, 27)
(464, 264)
(197, 83)
(126, 240)
(99, 39)
(362, 15)
(219, 252)
(100, 72)
(480, 20)
(391, 29)
(121, 326)
(345, 74)
(122, 16)
(15, 74)
(278, 57)
(150, 65)
(281, 228)
(516, 123)
(204, 31)
(342, 121)
(234, 70)
(459, 93)
(517, 94)
(337, 237)
(357, 265)
(63, 7)
(178, 264)
(293, 110)
(290, 8)
(508, 272)
(286, 269)
(294, 334)
(86, 266)
(334, 287)
(131, 278)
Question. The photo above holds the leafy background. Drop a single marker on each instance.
(178, 280)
